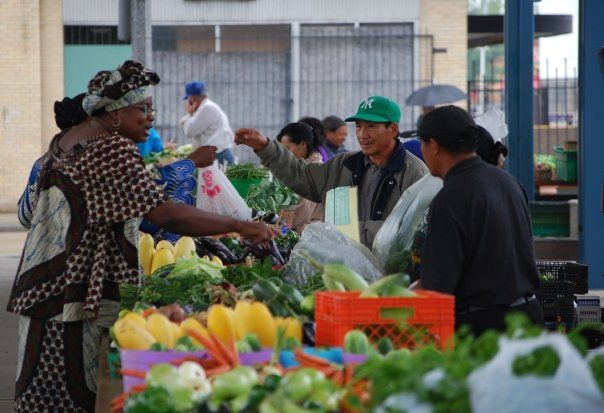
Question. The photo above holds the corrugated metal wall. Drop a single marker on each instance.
(247, 11)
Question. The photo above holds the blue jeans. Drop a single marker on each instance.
(227, 155)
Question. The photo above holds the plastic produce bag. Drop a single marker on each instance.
(325, 244)
(216, 194)
(393, 241)
(495, 388)
(493, 120)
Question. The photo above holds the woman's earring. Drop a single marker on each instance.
(115, 126)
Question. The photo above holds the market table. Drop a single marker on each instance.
(108, 388)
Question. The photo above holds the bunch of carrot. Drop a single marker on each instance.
(341, 376)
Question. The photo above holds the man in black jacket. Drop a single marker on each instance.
(479, 245)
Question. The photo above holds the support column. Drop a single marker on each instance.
(141, 32)
(295, 71)
(519, 31)
(591, 141)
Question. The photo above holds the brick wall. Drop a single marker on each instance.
(31, 78)
(447, 21)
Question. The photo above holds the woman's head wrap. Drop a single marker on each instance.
(112, 90)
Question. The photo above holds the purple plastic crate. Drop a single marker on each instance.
(144, 360)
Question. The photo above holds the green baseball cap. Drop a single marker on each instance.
(378, 109)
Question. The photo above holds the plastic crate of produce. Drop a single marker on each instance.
(143, 360)
(428, 318)
(557, 301)
(588, 309)
(566, 164)
(566, 271)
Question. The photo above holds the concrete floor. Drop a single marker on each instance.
(10, 250)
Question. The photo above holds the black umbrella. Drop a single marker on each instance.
(435, 94)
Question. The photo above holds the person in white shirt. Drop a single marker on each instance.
(206, 124)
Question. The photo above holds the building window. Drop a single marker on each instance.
(79, 35)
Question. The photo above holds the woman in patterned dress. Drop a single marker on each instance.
(92, 192)
(177, 179)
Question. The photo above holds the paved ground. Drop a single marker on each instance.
(11, 244)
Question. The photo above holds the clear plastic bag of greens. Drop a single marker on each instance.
(392, 243)
(325, 244)
(541, 374)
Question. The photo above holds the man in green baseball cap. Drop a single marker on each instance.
(382, 170)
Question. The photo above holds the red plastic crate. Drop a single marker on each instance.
(430, 318)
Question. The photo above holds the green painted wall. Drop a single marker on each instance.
(84, 61)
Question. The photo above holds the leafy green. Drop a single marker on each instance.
(160, 400)
(178, 153)
(271, 196)
(541, 362)
(197, 266)
(244, 277)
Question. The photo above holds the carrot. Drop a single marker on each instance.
(233, 351)
(224, 351)
(185, 359)
(337, 377)
(218, 370)
(210, 345)
(149, 311)
(133, 373)
(348, 373)
(137, 388)
(308, 360)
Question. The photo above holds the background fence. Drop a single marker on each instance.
(263, 77)
(555, 106)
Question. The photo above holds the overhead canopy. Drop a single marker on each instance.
(488, 30)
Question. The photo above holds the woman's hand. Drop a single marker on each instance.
(257, 232)
(203, 156)
(250, 137)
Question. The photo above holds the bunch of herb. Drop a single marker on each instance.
(246, 171)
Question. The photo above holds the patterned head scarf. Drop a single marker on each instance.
(112, 90)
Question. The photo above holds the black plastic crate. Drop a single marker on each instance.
(566, 271)
(557, 301)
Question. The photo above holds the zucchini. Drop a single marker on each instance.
(350, 279)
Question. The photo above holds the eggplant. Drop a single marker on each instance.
(274, 251)
(218, 249)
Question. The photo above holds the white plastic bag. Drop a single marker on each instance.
(216, 194)
(495, 388)
(493, 120)
(395, 237)
(326, 245)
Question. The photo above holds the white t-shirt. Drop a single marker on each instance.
(209, 125)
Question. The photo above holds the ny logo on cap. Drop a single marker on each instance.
(367, 104)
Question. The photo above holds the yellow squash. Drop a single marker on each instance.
(136, 319)
(221, 322)
(177, 332)
(161, 328)
(184, 248)
(131, 336)
(242, 309)
(161, 258)
(259, 320)
(145, 252)
(293, 328)
(164, 245)
(192, 324)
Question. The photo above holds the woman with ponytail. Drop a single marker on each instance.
(479, 244)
